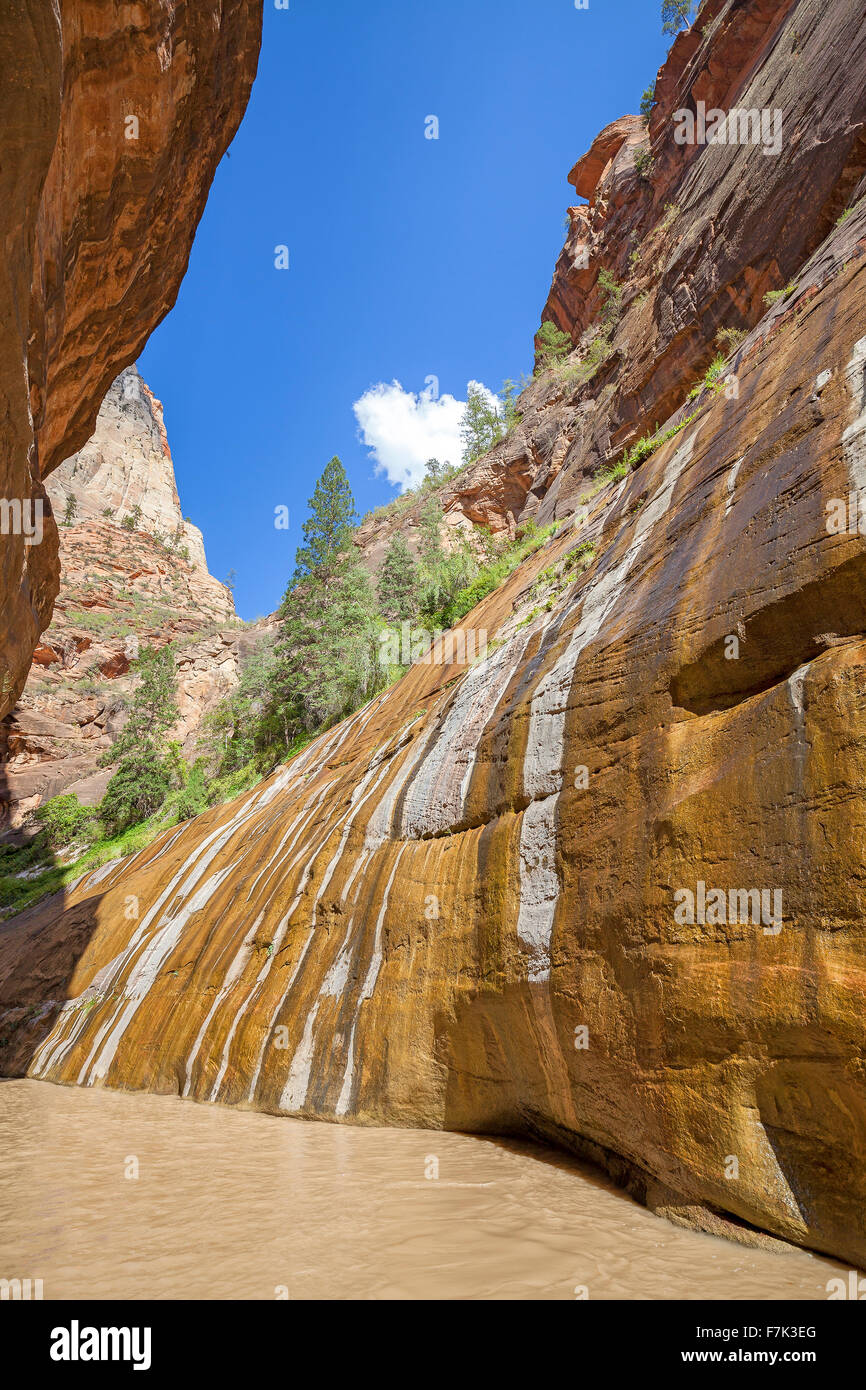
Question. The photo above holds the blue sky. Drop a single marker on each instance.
(410, 258)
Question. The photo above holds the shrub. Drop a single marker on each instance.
(643, 162)
(137, 789)
(63, 819)
(553, 346)
(730, 338)
(775, 296)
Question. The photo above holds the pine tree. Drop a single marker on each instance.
(676, 13)
(553, 346)
(398, 582)
(481, 426)
(328, 530)
(325, 656)
(146, 769)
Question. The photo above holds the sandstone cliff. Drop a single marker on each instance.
(463, 906)
(121, 586)
(114, 119)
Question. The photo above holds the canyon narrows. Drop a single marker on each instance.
(459, 908)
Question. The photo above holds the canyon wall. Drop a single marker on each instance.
(605, 885)
(113, 121)
(133, 573)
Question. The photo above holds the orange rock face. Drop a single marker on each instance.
(113, 119)
(605, 885)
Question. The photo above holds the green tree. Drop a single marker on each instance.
(328, 529)
(325, 657)
(510, 414)
(676, 14)
(552, 346)
(71, 509)
(398, 582)
(442, 574)
(434, 472)
(481, 426)
(647, 100)
(154, 707)
(146, 768)
(63, 819)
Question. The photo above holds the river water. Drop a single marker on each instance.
(110, 1195)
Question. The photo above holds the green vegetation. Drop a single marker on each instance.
(711, 380)
(325, 658)
(643, 162)
(63, 819)
(491, 574)
(611, 300)
(677, 14)
(775, 296)
(482, 425)
(147, 767)
(553, 346)
(398, 582)
(71, 511)
(730, 338)
(647, 100)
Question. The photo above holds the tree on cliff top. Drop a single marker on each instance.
(481, 426)
(676, 13)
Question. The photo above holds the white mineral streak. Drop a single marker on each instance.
(378, 832)
(436, 797)
(153, 953)
(366, 991)
(854, 437)
(122, 1003)
(545, 745)
(356, 802)
(731, 483)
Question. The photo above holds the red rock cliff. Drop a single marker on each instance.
(606, 884)
(113, 120)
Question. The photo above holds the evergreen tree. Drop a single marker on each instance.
(154, 706)
(325, 657)
(328, 530)
(676, 13)
(481, 426)
(553, 346)
(442, 573)
(398, 582)
(434, 472)
(146, 768)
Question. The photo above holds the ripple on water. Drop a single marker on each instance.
(232, 1204)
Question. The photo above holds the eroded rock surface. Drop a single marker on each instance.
(113, 121)
(123, 586)
(463, 907)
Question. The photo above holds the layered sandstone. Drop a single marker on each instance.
(125, 472)
(133, 573)
(462, 907)
(114, 119)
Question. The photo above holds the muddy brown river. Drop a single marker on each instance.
(111, 1195)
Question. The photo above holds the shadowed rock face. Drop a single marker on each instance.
(113, 121)
(468, 905)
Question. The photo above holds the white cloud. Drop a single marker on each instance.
(403, 429)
